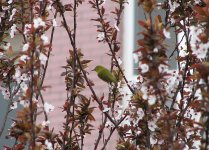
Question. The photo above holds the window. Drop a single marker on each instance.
(15, 42)
(132, 14)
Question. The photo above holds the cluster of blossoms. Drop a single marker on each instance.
(163, 94)
(199, 49)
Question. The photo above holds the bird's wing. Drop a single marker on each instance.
(106, 76)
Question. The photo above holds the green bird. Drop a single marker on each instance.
(104, 74)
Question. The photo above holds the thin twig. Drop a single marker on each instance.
(31, 85)
(101, 131)
(111, 132)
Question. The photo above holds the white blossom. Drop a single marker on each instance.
(54, 23)
(172, 81)
(14, 105)
(13, 13)
(24, 86)
(139, 54)
(155, 50)
(197, 1)
(162, 68)
(5, 93)
(135, 58)
(101, 36)
(109, 124)
(24, 103)
(186, 147)
(25, 47)
(5, 8)
(49, 7)
(152, 125)
(196, 144)
(13, 124)
(201, 52)
(35, 100)
(48, 107)
(160, 142)
(140, 113)
(140, 79)
(173, 6)
(153, 140)
(17, 74)
(202, 82)
(38, 22)
(166, 34)
(138, 132)
(144, 91)
(119, 61)
(35, 72)
(24, 58)
(24, 77)
(159, 5)
(45, 123)
(144, 68)
(151, 99)
(183, 53)
(106, 110)
(44, 38)
(27, 28)
(10, 1)
(172, 20)
(43, 58)
(5, 74)
(129, 132)
(48, 145)
(199, 49)
(13, 30)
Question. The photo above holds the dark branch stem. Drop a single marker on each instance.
(31, 85)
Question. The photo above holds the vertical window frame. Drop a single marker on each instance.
(128, 40)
